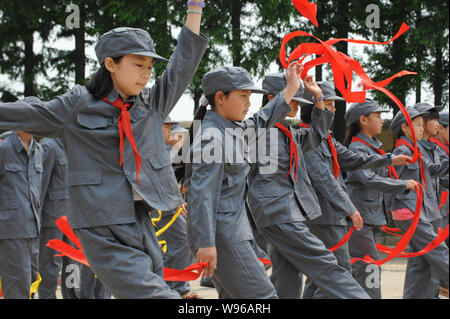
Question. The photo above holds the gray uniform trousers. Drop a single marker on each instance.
(328, 234)
(49, 265)
(250, 282)
(305, 253)
(363, 243)
(178, 255)
(18, 266)
(128, 251)
(421, 269)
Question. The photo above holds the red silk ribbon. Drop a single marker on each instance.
(307, 9)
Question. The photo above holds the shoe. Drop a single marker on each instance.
(207, 282)
(190, 295)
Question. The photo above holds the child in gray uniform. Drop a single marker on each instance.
(113, 151)
(366, 189)
(430, 153)
(279, 197)
(434, 264)
(218, 228)
(324, 166)
(441, 140)
(20, 189)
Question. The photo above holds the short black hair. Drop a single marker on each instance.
(432, 115)
(355, 127)
(265, 99)
(101, 83)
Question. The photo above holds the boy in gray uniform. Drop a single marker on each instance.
(103, 141)
(278, 203)
(20, 189)
(218, 228)
(324, 166)
(366, 189)
(421, 269)
(431, 153)
(441, 140)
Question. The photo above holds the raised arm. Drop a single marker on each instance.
(181, 68)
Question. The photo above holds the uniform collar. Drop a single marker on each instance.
(18, 144)
(427, 144)
(220, 120)
(372, 141)
(113, 95)
(135, 112)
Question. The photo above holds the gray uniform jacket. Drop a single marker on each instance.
(100, 190)
(217, 214)
(334, 199)
(366, 187)
(55, 192)
(20, 188)
(412, 171)
(430, 152)
(275, 198)
(442, 187)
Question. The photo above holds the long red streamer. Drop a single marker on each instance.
(307, 9)
(191, 272)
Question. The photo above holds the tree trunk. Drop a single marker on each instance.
(340, 126)
(197, 97)
(28, 77)
(80, 56)
(236, 43)
(438, 79)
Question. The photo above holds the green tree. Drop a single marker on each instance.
(21, 23)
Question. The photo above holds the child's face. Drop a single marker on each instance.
(431, 127)
(234, 107)
(167, 130)
(418, 126)
(329, 105)
(294, 108)
(131, 74)
(374, 123)
(443, 133)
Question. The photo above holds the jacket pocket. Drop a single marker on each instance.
(267, 189)
(226, 205)
(158, 161)
(13, 167)
(91, 121)
(58, 194)
(6, 204)
(92, 177)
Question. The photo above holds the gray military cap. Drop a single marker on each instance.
(228, 78)
(168, 120)
(121, 41)
(426, 107)
(443, 118)
(328, 91)
(365, 108)
(399, 118)
(276, 82)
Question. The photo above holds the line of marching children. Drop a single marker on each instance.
(105, 163)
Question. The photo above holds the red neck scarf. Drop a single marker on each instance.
(391, 169)
(336, 167)
(419, 157)
(125, 130)
(439, 143)
(292, 147)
